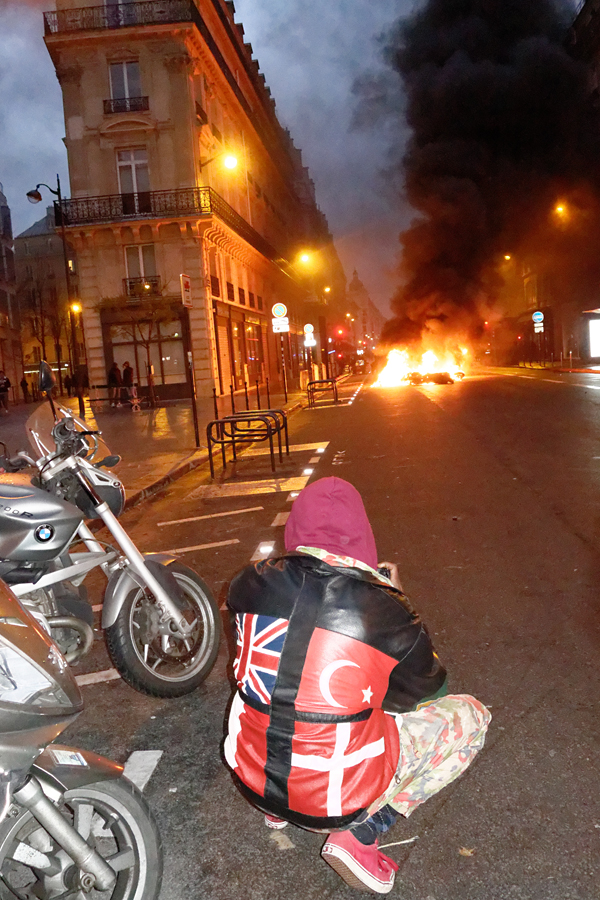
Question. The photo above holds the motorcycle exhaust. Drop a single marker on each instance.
(83, 630)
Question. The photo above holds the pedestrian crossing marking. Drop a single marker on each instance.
(242, 488)
(280, 519)
(219, 515)
(294, 448)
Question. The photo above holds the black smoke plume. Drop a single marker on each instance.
(502, 124)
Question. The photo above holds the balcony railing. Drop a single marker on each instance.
(118, 15)
(126, 104)
(200, 201)
(137, 288)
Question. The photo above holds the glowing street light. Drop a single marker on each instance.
(507, 257)
(305, 258)
(76, 308)
(327, 289)
(230, 162)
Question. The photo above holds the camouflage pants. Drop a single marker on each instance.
(437, 744)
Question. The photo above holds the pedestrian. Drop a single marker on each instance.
(128, 385)
(80, 384)
(25, 388)
(68, 383)
(341, 721)
(5, 386)
(114, 385)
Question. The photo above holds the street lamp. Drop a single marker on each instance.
(36, 197)
(229, 161)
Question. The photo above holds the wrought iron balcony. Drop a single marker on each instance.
(118, 15)
(200, 201)
(138, 288)
(126, 104)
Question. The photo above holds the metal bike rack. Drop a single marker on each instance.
(247, 428)
(318, 387)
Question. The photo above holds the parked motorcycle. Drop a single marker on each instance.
(71, 826)
(160, 620)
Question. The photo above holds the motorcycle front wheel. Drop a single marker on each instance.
(114, 818)
(151, 659)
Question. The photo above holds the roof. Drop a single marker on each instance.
(44, 226)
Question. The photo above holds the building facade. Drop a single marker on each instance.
(11, 360)
(49, 328)
(179, 166)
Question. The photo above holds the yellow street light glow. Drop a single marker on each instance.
(230, 162)
(327, 290)
(76, 307)
(304, 257)
(560, 209)
(507, 256)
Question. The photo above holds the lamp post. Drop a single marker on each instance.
(36, 197)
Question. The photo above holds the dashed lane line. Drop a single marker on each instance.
(140, 766)
(280, 519)
(202, 546)
(243, 488)
(231, 512)
(97, 677)
(264, 549)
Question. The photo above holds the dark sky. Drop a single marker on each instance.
(311, 52)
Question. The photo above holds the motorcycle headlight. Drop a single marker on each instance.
(22, 682)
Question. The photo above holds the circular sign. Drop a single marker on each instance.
(538, 317)
(279, 310)
(308, 329)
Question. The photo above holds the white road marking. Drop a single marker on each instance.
(592, 387)
(97, 677)
(280, 519)
(294, 448)
(282, 840)
(264, 549)
(314, 460)
(233, 512)
(243, 488)
(140, 766)
(530, 377)
(202, 546)
(291, 497)
(97, 607)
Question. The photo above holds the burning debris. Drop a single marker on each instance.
(501, 125)
(403, 367)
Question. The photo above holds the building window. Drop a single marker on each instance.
(142, 279)
(260, 302)
(125, 80)
(242, 296)
(134, 181)
(251, 299)
(215, 287)
(230, 292)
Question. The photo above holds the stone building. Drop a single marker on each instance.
(47, 323)
(368, 320)
(11, 361)
(179, 166)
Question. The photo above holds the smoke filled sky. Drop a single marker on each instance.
(312, 54)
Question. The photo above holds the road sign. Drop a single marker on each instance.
(309, 329)
(281, 324)
(279, 310)
(310, 341)
(538, 317)
(186, 290)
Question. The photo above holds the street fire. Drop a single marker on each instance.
(404, 368)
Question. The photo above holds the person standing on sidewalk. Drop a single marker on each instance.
(5, 386)
(68, 383)
(80, 385)
(341, 721)
(114, 385)
(25, 389)
(128, 385)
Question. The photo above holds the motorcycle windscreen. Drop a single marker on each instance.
(39, 430)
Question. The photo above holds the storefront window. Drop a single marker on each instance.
(131, 340)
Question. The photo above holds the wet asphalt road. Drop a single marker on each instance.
(487, 494)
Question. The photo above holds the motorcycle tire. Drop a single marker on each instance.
(159, 664)
(113, 817)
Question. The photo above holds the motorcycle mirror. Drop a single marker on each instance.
(46, 379)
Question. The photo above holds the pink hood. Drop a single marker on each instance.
(329, 514)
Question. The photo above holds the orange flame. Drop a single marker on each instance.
(401, 366)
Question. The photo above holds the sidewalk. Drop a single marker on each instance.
(156, 446)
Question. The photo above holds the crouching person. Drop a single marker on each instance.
(341, 720)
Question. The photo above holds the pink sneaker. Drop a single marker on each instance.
(361, 866)
(274, 822)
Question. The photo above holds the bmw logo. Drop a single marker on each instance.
(44, 533)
